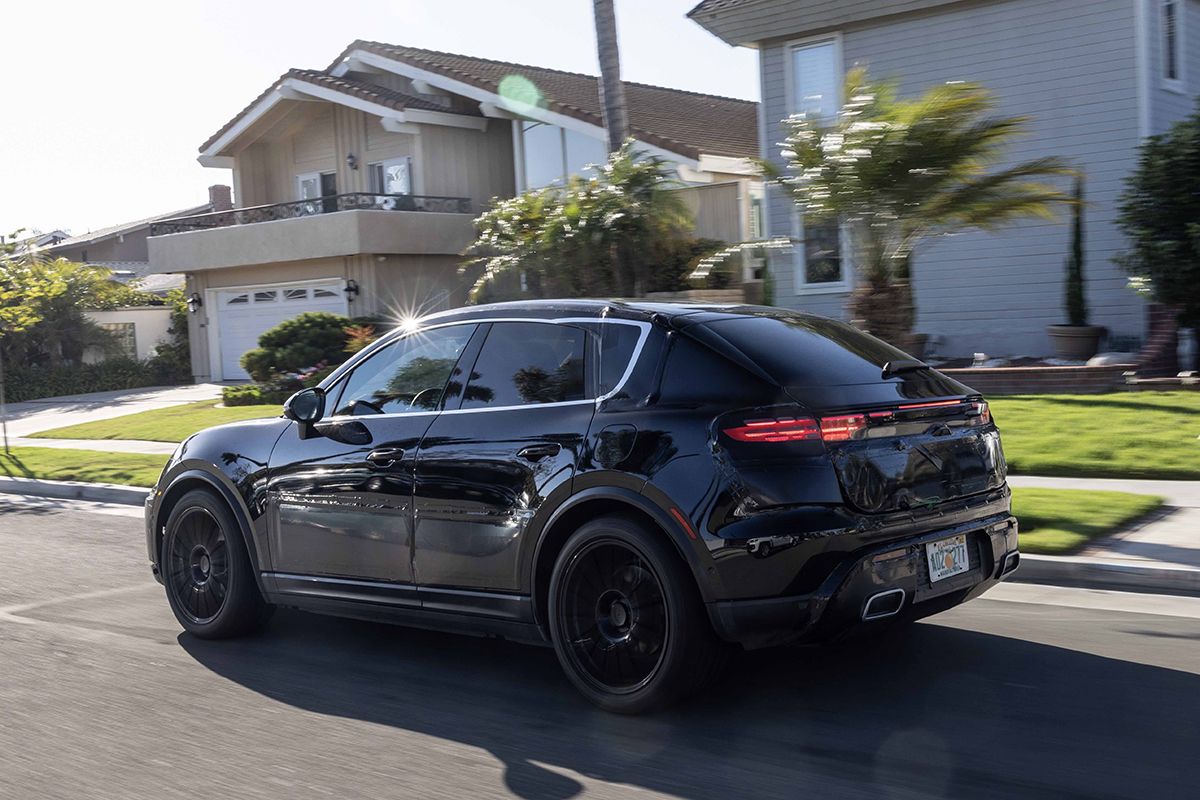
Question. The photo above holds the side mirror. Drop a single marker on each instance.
(306, 407)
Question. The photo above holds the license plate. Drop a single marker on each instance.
(947, 557)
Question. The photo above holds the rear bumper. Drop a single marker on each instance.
(841, 602)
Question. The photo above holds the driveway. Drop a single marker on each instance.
(35, 416)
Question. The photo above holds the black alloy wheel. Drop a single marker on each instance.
(197, 569)
(207, 572)
(615, 616)
(626, 618)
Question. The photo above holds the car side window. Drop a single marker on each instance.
(408, 375)
(523, 363)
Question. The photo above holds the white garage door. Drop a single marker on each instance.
(244, 314)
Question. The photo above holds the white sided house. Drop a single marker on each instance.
(356, 187)
(1094, 77)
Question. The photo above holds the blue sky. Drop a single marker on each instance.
(105, 104)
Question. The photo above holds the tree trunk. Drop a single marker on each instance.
(612, 92)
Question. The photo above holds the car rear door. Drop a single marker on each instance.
(486, 466)
(342, 500)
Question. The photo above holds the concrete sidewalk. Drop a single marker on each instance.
(1158, 553)
(102, 445)
(36, 416)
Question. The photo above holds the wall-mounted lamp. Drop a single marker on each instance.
(351, 161)
(194, 303)
(351, 290)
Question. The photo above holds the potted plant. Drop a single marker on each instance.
(1076, 340)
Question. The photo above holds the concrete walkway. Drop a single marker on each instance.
(1183, 494)
(36, 416)
(1170, 536)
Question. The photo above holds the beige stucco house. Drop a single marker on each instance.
(356, 187)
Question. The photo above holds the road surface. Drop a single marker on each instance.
(1042, 693)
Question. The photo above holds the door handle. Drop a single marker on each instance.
(385, 457)
(536, 452)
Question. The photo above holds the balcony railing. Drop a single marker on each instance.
(308, 208)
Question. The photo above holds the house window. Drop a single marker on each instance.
(1172, 44)
(553, 153)
(124, 335)
(816, 93)
(816, 80)
(393, 176)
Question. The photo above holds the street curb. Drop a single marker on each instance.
(75, 490)
(1090, 573)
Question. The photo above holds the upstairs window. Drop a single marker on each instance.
(816, 80)
(393, 176)
(1172, 44)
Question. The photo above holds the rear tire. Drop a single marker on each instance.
(207, 572)
(627, 621)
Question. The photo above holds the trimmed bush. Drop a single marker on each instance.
(33, 383)
(298, 344)
(253, 395)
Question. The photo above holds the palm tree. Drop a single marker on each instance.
(612, 91)
(897, 172)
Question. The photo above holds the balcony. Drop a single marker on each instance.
(339, 225)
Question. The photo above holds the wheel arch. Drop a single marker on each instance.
(590, 504)
(191, 479)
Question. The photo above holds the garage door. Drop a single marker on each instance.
(244, 314)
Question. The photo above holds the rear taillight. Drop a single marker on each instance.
(775, 430)
(802, 429)
(839, 429)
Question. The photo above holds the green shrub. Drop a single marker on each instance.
(253, 395)
(23, 383)
(313, 339)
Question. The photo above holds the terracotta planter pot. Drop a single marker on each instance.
(1075, 342)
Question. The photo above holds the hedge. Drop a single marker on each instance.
(253, 395)
(23, 383)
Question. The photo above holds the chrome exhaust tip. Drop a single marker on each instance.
(1011, 562)
(884, 604)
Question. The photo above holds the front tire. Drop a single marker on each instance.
(207, 572)
(627, 621)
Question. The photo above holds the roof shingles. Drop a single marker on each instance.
(687, 123)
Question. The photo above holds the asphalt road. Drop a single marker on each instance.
(102, 697)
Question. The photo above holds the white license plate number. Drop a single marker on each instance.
(947, 557)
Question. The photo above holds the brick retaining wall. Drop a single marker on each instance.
(1043, 380)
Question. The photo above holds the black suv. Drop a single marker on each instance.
(641, 485)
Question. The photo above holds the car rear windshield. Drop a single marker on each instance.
(802, 350)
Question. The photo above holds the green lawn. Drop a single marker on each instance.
(94, 466)
(1125, 435)
(172, 424)
(1055, 522)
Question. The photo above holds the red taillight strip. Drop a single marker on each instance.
(775, 430)
(840, 429)
(936, 404)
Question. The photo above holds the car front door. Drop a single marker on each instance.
(486, 466)
(342, 500)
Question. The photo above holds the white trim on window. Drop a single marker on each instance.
(800, 285)
(1178, 10)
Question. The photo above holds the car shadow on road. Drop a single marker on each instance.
(939, 712)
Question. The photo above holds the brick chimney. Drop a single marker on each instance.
(220, 197)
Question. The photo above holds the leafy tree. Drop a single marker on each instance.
(42, 305)
(595, 236)
(898, 172)
(1160, 213)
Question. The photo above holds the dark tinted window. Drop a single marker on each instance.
(407, 375)
(527, 362)
(617, 343)
(800, 350)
